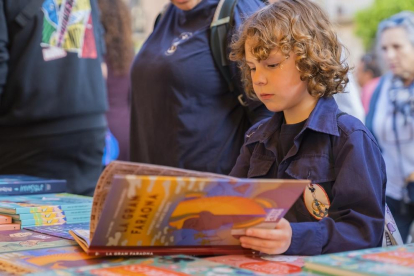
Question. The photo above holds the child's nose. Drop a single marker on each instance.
(258, 78)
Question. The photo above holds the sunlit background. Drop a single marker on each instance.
(355, 20)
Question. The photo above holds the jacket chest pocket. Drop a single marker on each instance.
(260, 165)
(315, 202)
(316, 168)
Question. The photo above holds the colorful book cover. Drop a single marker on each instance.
(178, 265)
(25, 184)
(50, 215)
(20, 240)
(392, 260)
(44, 203)
(268, 264)
(52, 221)
(31, 261)
(146, 215)
(61, 231)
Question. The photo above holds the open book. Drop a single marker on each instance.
(141, 209)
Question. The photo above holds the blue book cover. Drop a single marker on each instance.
(42, 203)
(21, 240)
(61, 231)
(24, 184)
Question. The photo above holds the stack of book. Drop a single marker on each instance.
(392, 260)
(6, 223)
(20, 184)
(46, 209)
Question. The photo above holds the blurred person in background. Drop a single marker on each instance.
(183, 112)
(368, 74)
(391, 115)
(116, 20)
(52, 92)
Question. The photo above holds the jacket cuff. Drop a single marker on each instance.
(307, 238)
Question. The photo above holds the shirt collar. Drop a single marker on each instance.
(322, 119)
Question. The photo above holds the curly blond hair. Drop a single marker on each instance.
(297, 26)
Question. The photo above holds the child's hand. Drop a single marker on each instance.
(270, 241)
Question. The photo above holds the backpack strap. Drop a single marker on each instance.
(28, 12)
(219, 28)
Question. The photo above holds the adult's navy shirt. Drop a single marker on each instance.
(183, 114)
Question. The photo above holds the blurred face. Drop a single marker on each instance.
(398, 52)
(363, 76)
(185, 5)
(276, 82)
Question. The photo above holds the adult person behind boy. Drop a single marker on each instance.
(291, 60)
(391, 115)
(52, 93)
(368, 74)
(183, 112)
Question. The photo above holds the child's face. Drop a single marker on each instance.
(276, 82)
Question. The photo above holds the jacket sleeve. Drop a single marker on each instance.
(356, 215)
(4, 53)
(256, 110)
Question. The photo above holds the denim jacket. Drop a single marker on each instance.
(343, 209)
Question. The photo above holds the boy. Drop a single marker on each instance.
(290, 60)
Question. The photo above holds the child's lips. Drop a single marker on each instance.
(266, 96)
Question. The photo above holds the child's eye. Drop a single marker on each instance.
(273, 65)
(252, 69)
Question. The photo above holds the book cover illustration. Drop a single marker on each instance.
(25, 184)
(178, 265)
(128, 168)
(31, 261)
(61, 231)
(268, 264)
(150, 214)
(393, 260)
(19, 240)
(43, 203)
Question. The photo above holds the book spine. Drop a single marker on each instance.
(54, 221)
(10, 226)
(54, 208)
(50, 215)
(5, 219)
(30, 188)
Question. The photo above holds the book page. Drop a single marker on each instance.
(129, 168)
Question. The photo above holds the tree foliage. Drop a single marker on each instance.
(367, 20)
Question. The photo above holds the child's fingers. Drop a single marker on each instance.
(267, 234)
(252, 242)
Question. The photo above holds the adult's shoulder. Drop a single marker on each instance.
(245, 8)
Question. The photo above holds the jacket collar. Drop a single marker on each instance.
(322, 119)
